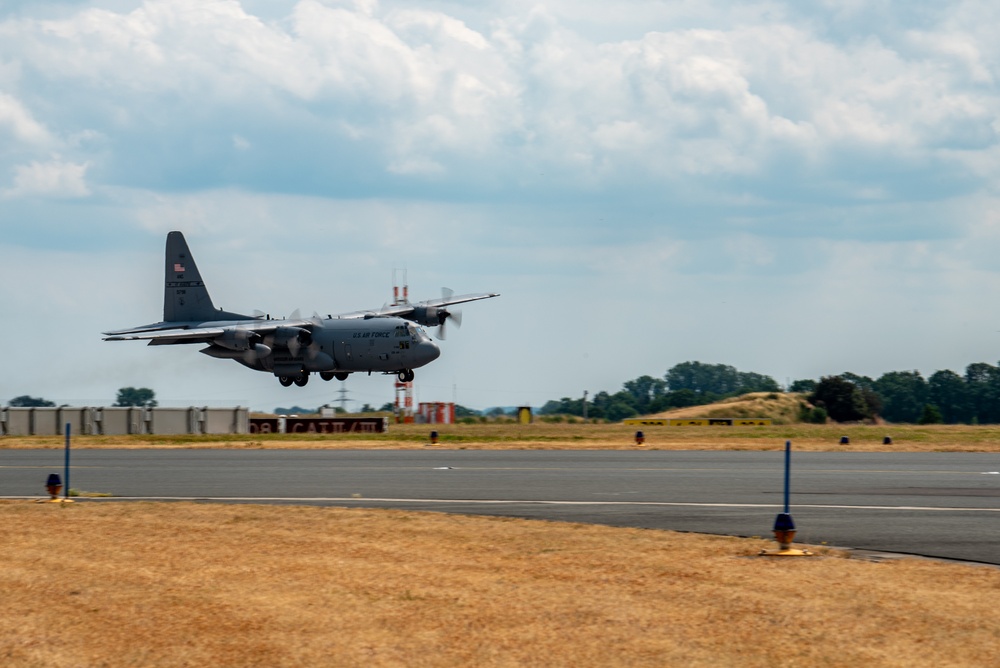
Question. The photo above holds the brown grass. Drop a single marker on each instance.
(564, 436)
(116, 584)
(782, 407)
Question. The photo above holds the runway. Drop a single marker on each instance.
(943, 505)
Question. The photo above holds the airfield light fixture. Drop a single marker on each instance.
(784, 526)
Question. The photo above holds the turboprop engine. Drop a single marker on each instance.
(242, 340)
(292, 338)
(430, 316)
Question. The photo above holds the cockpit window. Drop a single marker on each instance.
(417, 333)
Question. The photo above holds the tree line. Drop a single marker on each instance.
(127, 396)
(897, 396)
(685, 384)
(906, 396)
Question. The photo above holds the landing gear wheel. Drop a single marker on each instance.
(285, 381)
(405, 376)
(327, 375)
(341, 376)
(302, 379)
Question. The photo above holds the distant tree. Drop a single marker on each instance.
(864, 382)
(815, 415)
(756, 382)
(299, 410)
(619, 410)
(805, 385)
(367, 408)
(903, 394)
(947, 390)
(24, 401)
(703, 378)
(565, 406)
(462, 411)
(644, 391)
(131, 396)
(843, 400)
(717, 380)
(930, 415)
(684, 398)
(982, 383)
(388, 406)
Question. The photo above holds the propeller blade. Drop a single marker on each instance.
(255, 353)
(455, 316)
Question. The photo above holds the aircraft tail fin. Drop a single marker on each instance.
(185, 297)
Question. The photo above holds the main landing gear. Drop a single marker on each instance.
(299, 380)
(330, 375)
(405, 375)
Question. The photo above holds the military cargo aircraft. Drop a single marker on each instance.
(388, 340)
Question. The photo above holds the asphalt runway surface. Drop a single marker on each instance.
(944, 505)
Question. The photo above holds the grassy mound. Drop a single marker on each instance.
(783, 408)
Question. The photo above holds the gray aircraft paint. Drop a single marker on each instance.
(383, 340)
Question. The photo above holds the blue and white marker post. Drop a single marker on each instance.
(784, 527)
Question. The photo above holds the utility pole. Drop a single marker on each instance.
(343, 398)
(585, 405)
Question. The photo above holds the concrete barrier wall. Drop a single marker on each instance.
(78, 419)
(117, 421)
(225, 421)
(45, 421)
(171, 421)
(17, 421)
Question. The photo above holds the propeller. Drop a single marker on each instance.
(445, 315)
(257, 348)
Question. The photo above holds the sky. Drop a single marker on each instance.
(795, 189)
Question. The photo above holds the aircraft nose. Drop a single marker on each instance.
(427, 352)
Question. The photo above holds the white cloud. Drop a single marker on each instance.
(731, 176)
(56, 179)
(19, 122)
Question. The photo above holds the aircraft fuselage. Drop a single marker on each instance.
(385, 345)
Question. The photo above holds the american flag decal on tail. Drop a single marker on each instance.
(178, 267)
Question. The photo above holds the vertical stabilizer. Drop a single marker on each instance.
(185, 297)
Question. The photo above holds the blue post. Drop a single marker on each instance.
(66, 492)
(788, 471)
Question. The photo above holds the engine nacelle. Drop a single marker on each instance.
(292, 337)
(238, 339)
(429, 316)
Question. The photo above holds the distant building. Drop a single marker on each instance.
(435, 412)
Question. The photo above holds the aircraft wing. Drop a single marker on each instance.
(409, 310)
(170, 333)
(168, 336)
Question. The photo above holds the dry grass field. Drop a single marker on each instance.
(562, 436)
(134, 584)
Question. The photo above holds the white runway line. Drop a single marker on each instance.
(511, 502)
